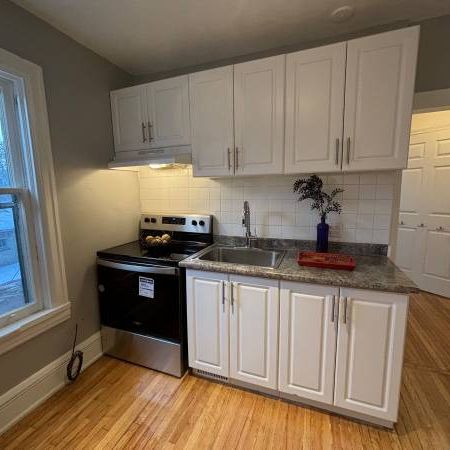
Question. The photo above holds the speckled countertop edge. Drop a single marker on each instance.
(371, 272)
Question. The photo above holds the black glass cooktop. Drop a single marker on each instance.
(134, 252)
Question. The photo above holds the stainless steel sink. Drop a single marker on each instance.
(245, 256)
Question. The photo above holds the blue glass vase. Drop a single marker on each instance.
(323, 230)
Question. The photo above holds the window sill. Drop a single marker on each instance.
(21, 331)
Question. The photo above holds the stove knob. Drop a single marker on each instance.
(153, 220)
(146, 220)
(194, 222)
(201, 223)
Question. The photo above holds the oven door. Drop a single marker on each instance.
(139, 298)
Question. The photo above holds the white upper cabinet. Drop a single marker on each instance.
(344, 106)
(168, 112)
(308, 327)
(315, 83)
(370, 352)
(129, 117)
(207, 318)
(254, 331)
(259, 116)
(378, 100)
(211, 106)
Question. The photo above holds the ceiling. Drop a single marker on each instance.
(152, 36)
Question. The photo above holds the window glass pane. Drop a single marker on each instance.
(5, 176)
(12, 286)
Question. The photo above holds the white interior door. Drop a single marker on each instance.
(308, 329)
(168, 105)
(207, 321)
(254, 331)
(436, 208)
(378, 99)
(315, 84)
(370, 352)
(423, 241)
(212, 129)
(129, 117)
(259, 116)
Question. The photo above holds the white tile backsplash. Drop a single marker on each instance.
(275, 212)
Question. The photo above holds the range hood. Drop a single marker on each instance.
(156, 156)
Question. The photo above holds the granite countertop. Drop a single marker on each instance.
(371, 272)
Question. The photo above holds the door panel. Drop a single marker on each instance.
(378, 99)
(259, 116)
(370, 352)
(207, 318)
(129, 116)
(168, 102)
(254, 331)
(308, 340)
(425, 208)
(211, 106)
(315, 83)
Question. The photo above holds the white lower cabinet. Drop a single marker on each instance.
(339, 347)
(308, 315)
(207, 317)
(254, 331)
(370, 352)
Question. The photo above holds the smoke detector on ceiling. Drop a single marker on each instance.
(342, 14)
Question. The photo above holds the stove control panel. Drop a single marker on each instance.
(189, 223)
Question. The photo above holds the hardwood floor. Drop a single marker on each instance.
(119, 405)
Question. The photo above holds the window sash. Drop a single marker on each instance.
(26, 245)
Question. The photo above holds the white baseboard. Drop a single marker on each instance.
(30, 393)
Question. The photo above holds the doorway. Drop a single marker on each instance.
(423, 234)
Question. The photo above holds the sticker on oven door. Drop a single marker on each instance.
(146, 287)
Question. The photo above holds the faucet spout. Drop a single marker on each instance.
(246, 223)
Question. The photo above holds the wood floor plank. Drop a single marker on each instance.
(118, 405)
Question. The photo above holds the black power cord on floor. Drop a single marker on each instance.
(76, 360)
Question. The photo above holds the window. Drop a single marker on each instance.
(32, 278)
(19, 290)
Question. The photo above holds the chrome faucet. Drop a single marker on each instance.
(249, 237)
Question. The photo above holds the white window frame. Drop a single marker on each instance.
(52, 305)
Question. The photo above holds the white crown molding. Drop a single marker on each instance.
(30, 393)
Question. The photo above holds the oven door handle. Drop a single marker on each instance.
(137, 268)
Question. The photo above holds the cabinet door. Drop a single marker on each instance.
(211, 103)
(259, 116)
(370, 352)
(378, 100)
(168, 105)
(315, 86)
(207, 321)
(308, 328)
(129, 118)
(254, 331)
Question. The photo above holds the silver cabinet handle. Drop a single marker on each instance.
(232, 297)
(348, 150)
(229, 158)
(144, 138)
(333, 307)
(236, 157)
(150, 126)
(337, 151)
(344, 318)
(223, 296)
(440, 229)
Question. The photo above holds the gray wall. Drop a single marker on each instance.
(98, 208)
(433, 66)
